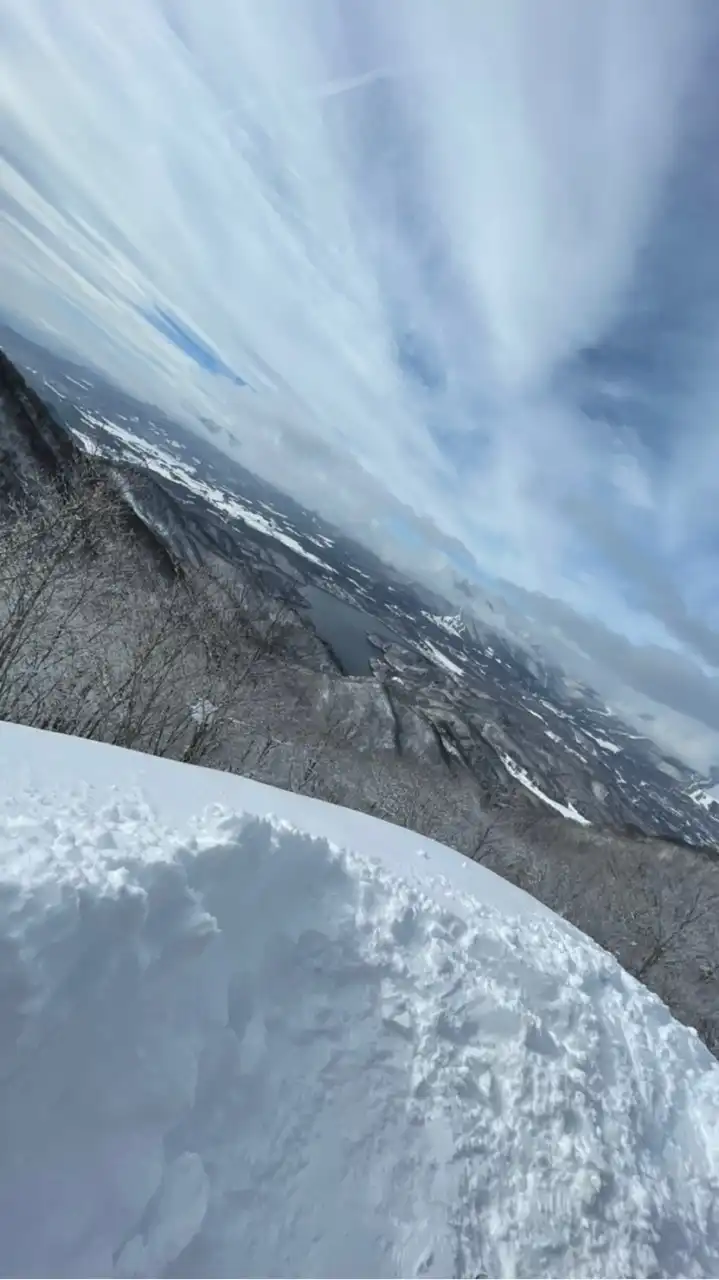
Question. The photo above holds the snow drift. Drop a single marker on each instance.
(312, 1044)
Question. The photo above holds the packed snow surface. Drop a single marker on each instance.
(246, 1034)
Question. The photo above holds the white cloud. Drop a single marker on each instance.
(632, 481)
(336, 197)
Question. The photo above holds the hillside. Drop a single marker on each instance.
(495, 705)
(272, 646)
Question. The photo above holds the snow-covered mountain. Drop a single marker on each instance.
(486, 701)
(246, 1033)
(198, 500)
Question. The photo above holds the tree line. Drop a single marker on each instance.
(203, 665)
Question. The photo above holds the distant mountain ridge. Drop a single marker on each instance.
(447, 687)
(38, 449)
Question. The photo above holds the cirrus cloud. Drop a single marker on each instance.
(450, 266)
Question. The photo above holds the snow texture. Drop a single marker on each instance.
(247, 1034)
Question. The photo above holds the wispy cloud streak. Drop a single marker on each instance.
(442, 243)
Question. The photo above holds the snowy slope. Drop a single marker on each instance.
(313, 1044)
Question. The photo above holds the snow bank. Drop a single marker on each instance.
(313, 1044)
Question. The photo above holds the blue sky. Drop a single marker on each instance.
(182, 337)
(445, 266)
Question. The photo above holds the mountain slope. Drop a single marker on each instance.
(313, 1044)
(36, 451)
(33, 447)
(442, 685)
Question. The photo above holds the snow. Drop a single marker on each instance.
(702, 799)
(90, 447)
(534, 713)
(321, 540)
(164, 464)
(441, 659)
(521, 775)
(271, 530)
(562, 715)
(246, 1033)
(203, 711)
(453, 624)
(602, 742)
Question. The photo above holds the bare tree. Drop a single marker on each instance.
(92, 644)
(660, 916)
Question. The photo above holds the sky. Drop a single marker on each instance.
(447, 272)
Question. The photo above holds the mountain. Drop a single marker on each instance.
(33, 447)
(423, 679)
(37, 452)
(372, 693)
(199, 502)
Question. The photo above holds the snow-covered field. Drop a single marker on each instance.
(162, 462)
(244, 1033)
